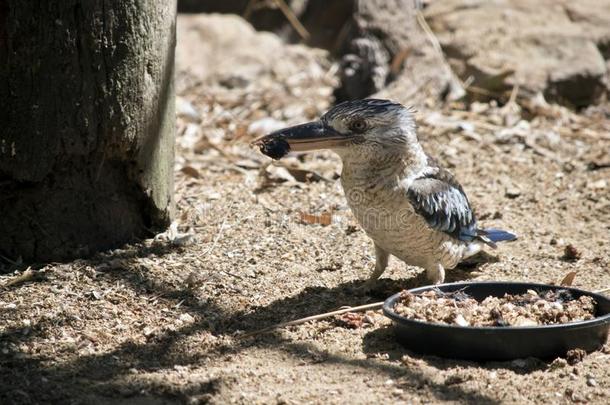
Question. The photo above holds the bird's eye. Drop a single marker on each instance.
(358, 125)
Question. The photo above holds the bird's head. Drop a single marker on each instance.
(360, 126)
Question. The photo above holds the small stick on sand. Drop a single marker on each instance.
(603, 290)
(375, 305)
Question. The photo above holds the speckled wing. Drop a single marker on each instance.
(442, 202)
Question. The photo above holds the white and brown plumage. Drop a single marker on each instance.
(405, 201)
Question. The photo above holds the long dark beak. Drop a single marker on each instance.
(304, 137)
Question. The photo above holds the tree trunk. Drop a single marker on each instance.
(86, 124)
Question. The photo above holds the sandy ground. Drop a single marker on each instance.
(157, 322)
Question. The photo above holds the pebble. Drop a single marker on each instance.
(188, 318)
(186, 110)
(558, 363)
(459, 320)
(466, 126)
(591, 382)
(512, 192)
(148, 331)
(598, 185)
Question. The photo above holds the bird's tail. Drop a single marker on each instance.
(491, 236)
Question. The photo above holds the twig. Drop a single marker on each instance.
(375, 305)
(293, 20)
(228, 273)
(340, 38)
(251, 6)
(248, 10)
(10, 261)
(603, 290)
(513, 95)
(457, 85)
(27, 275)
(218, 235)
(433, 40)
(482, 91)
(530, 142)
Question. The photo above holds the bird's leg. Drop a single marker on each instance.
(436, 273)
(381, 262)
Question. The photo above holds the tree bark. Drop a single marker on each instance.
(86, 124)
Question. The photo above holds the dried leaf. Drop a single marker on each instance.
(305, 176)
(248, 164)
(191, 171)
(351, 320)
(324, 219)
(240, 132)
(568, 279)
(399, 59)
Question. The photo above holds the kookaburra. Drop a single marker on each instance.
(409, 205)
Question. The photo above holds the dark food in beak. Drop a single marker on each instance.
(304, 137)
(274, 147)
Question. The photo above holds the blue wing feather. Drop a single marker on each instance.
(442, 202)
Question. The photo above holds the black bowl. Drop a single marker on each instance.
(500, 343)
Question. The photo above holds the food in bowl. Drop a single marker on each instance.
(531, 308)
